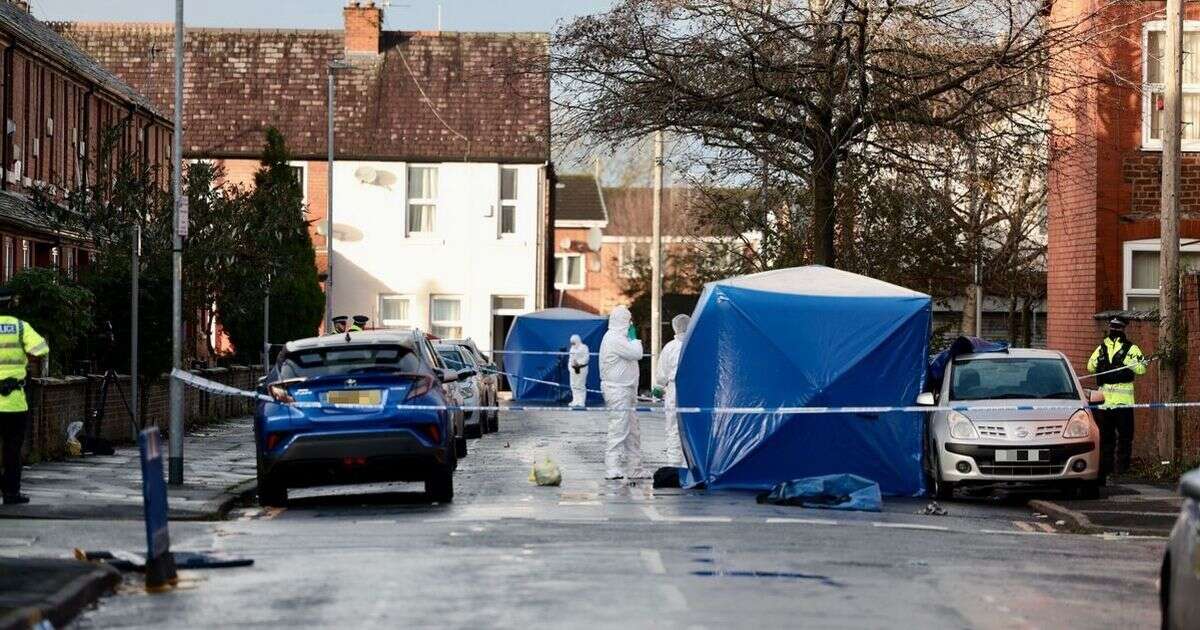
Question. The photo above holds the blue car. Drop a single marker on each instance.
(340, 412)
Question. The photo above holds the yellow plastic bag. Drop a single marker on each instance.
(74, 447)
(546, 473)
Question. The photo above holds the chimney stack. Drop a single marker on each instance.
(21, 4)
(364, 27)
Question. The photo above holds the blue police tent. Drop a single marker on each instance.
(813, 337)
(549, 331)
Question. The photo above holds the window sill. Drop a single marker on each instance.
(1192, 147)
(559, 287)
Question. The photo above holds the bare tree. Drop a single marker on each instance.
(800, 87)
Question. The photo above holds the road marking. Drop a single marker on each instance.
(932, 528)
(1010, 532)
(674, 597)
(653, 561)
(803, 521)
(1023, 526)
(592, 503)
(652, 513)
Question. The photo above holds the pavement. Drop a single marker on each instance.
(218, 468)
(1124, 508)
(37, 590)
(610, 554)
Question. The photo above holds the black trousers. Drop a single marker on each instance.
(1116, 440)
(12, 432)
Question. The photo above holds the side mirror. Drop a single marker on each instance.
(262, 380)
(926, 399)
(467, 373)
(447, 376)
(1095, 396)
(1189, 485)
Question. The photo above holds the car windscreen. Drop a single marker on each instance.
(348, 360)
(1011, 377)
(453, 359)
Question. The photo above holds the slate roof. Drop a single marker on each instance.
(238, 82)
(578, 198)
(17, 209)
(41, 37)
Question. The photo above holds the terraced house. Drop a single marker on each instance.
(57, 102)
(442, 174)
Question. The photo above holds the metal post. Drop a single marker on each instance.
(1172, 346)
(267, 327)
(175, 469)
(656, 257)
(329, 215)
(134, 316)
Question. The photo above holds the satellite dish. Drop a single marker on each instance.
(387, 179)
(366, 174)
(594, 237)
(341, 232)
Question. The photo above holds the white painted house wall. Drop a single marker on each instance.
(465, 255)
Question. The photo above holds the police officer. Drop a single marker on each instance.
(18, 343)
(360, 323)
(1116, 352)
(339, 324)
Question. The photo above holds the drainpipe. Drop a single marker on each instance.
(8, 113)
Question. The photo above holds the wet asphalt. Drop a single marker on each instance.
(606, 554)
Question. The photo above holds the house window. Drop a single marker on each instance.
(422, 198)
(568, 271)
(26, 254)
(445, 317)
(1154, 44)
(508, 201)
(71, 263)
(1142, 271)
(630, 255)
(508, 303)
(300, 173)
(395, 311)
(8, 258)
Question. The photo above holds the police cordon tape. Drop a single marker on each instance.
(1147, 361)
(553, 353)
(220, 388)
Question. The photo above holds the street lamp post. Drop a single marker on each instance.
(334, 66)
(175, 462)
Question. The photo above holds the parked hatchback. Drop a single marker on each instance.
(471, 389)
(979, 447)
(341, 410)
(489, 377)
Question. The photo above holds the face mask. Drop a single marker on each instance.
(1115, 335)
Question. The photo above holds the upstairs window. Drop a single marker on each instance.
(508, 201)
(422, 199)
(1154, 46)
(1142, 271)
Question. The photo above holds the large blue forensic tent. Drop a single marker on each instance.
(811, 337)
(532, 354)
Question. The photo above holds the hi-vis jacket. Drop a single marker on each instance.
(1118, 386)
(18, 340)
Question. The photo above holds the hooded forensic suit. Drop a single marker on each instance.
(619, 356)
(577, 368)
(668, 364)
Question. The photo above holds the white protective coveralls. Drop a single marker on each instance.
(619, 356)
(577, 368)
(668, 364)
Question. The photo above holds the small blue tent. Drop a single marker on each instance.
(807, 336)
(550, 331)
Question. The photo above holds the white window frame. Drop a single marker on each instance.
(26, 253)
(1149, 89)
(1144, 245)
(503, 203)
(303, 166)
(396, 323)
(510, 311)
(558, 286)
(625, 267)
(409, 201)
(462, 311)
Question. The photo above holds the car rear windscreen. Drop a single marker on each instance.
(1011, 377)
(454, 359)
(349, 360)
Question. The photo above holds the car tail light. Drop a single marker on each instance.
(434, 433)
(273, 440)
(420, 387)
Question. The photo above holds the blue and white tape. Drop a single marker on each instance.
(220, 388)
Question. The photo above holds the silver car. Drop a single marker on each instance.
(987, 448)
(489, 379)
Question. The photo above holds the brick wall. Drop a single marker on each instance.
(55, 403)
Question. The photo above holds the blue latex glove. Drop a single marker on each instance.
(632, 332)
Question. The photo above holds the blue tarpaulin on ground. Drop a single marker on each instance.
(547, 331)
(832, 492)
(807, 336)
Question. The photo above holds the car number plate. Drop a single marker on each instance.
(354, 397)
(1023, 455)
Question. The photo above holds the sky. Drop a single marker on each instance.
(414, 15)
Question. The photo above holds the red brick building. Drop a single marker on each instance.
(56, 102)
(1105, 176)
